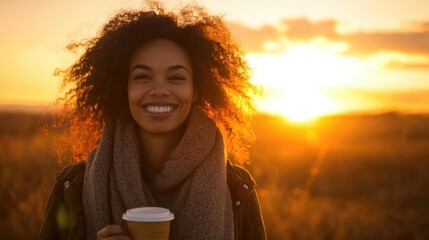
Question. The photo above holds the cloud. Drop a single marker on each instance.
(303, 29)
(414, 40)
(406, 42)
(253, 39)
(407, 65)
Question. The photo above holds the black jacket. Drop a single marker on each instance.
(64, 216)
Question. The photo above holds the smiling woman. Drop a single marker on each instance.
(172, 96)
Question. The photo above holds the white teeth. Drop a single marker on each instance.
(159, 109)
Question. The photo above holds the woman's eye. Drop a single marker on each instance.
(177, 78)
(142, 77)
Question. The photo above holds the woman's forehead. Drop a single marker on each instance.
(161, 53)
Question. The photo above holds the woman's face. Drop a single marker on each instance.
(160, 86)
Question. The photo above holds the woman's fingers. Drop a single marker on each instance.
(110, 231)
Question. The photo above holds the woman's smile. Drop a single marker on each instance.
(159, 111)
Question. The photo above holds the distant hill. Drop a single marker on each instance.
(356, 127)
(14, 108)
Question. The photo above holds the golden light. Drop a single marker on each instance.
(298, 105)
(27, 77)
(296, 81)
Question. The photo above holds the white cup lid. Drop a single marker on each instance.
(148, 214)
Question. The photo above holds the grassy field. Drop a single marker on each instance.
(343, 177)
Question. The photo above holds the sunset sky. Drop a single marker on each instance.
(312, 57)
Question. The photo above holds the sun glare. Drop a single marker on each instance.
(296, 81)
(298, 105)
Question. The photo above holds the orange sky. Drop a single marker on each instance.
(312, 57)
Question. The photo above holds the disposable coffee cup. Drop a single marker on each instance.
(148, 223)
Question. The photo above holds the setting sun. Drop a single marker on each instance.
(296, 80)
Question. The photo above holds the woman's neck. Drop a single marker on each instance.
(155, 149)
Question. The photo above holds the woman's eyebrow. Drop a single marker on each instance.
(171, 68)
(177, 67)
(140, 66)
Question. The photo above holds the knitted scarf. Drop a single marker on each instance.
(192, 183)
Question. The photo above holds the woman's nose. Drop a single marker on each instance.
(159, 89)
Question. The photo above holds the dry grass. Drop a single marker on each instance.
(356, 177)
(361, 177)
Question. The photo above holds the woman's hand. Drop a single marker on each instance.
(111, 232)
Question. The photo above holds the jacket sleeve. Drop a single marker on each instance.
(254, 227)
(250, 223)
(58, 219)
(49, 229)
(62, 218)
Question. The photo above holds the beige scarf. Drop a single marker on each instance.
(192, 183)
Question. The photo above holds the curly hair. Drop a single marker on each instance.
(97, 82)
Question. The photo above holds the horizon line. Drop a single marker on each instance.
(43, 108)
